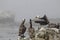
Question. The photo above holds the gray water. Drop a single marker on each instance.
(10, 32)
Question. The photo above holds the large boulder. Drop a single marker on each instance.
(51, 33)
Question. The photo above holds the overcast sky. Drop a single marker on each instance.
(31, 8)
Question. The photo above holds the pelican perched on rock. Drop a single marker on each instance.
(42, 21)
(31, 30)
(22, 29)
(58, 26)
(53, 25)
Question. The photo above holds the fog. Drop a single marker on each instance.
(30, 8)
(13, 11)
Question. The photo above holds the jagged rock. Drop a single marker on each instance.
(49, 33)
(45, 34)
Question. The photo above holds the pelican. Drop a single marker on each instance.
(42, 21)
(22, 29)
(53, 25)
(31, 30)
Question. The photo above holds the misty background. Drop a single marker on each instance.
(13, 11)
(30, 8)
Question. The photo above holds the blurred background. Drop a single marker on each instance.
(30, 8)
(13, 11)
